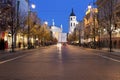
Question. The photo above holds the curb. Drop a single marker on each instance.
(117, 52)
(8, 54)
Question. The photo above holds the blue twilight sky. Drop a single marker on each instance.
(59, 10)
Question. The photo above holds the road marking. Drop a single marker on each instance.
(1, 62)
(110, 58)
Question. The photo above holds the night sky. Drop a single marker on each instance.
(59, 10)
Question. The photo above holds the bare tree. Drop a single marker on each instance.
(108, 21)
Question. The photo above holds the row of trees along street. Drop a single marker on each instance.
(105, 19)
(16, 22)
(108, 20)
(39, 31)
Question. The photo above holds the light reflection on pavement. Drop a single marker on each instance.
(63, 63)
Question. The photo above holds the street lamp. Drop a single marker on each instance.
(32, 6)
(13, 28)
(43, 37)
(46, 23)
(89, 6)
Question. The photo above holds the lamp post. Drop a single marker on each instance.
(112, 28)
(44, 26)
(99, 41)
(17, 24)
(80, 29)
(13, 27)
(32, 6)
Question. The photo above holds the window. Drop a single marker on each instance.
(71, 18)
(74, 24)
(71, 24)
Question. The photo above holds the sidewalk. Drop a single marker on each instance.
(114, 51)
(4, 54)
(9, 51)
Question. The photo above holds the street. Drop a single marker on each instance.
(67, 63)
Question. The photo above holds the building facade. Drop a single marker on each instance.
(10, 12)
(56, 32)
(90, 25)
(63, 38)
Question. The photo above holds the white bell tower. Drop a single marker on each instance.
(72, 22)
